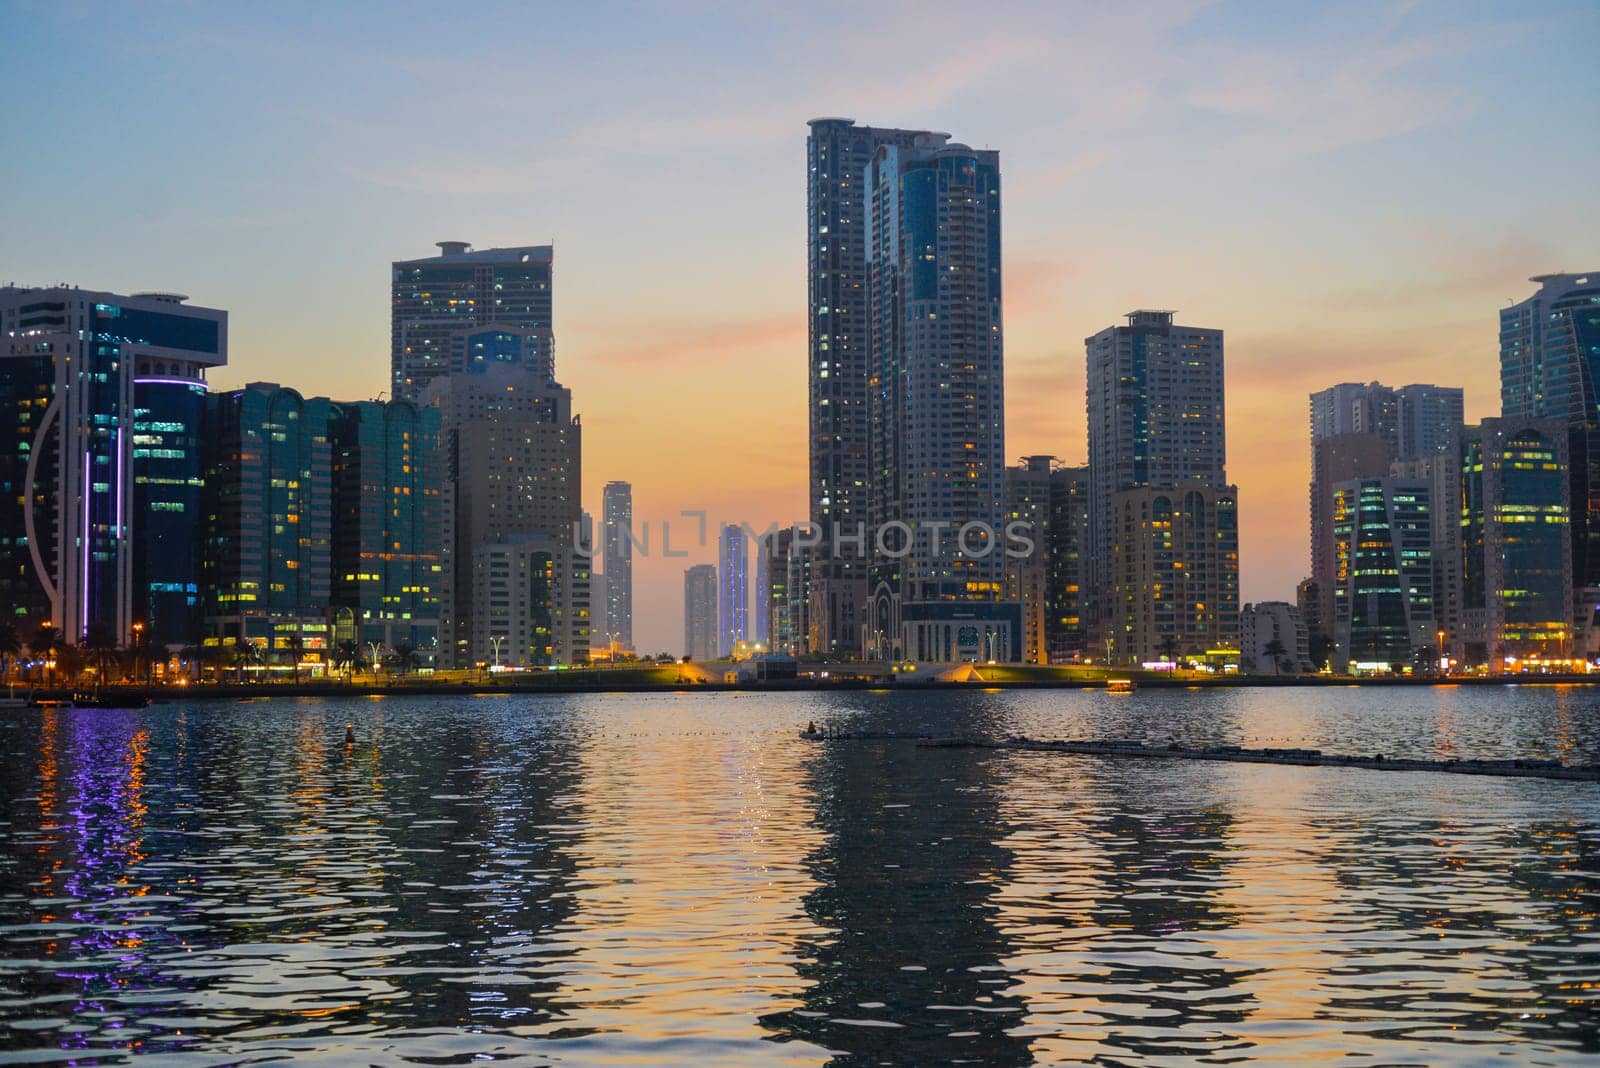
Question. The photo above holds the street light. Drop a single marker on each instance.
(138, 646)
(376, 648)
(495, 640)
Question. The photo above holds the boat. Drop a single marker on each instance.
(110, 700)
(13, 702)
(1121, 686)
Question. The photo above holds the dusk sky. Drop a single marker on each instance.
(1349, 194)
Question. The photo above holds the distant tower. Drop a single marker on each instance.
(700, 612)
(619, 562)
(733, 596)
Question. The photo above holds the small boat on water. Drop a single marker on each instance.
(110, 700)
(1121, 686)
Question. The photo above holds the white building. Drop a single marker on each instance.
(1262, 624)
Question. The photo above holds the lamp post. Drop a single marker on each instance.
(1444, 660)
(376, 648)
(495, 640)
(138, 649)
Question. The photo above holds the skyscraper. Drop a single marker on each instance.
(267, 556)
(733, 589)
(387, 524)
(838, 156)
(1517, 556)
(1157, 424)
(700, 630)
(1360, 431)
(512, 464)
(1383, 604)
(436, 300)
(1066, 622)
(1028, 495)
(100, 391)
(1550, 369)
(618, 497)
(937, 402)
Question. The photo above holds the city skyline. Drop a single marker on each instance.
(1328, 250)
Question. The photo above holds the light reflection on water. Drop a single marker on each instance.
(679, 879)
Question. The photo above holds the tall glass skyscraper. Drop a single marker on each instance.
(733, 589)
(838, 157)
(936, 397)
(1550, 369)
(98, 446)
(618, 499)
(437, 299)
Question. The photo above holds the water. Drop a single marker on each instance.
(679, 879)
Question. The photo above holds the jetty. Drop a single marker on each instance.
(1521, 768)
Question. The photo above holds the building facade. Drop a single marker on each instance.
(387, 565)
(839, 155)
(701, 630)
(1066, 623)
(733, 589)
(937, 402)
(618, 517)
(1156, 417)
(1027, 576)
(511, 459)
(1174, 580)
(266, 560)
(1550, 369)
(1383, 603)
(1273, 639)
(1517, 554)
(77, 369)
(436, 300)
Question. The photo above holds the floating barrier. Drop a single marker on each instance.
(1523, 768)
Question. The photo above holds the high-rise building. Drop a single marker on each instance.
(1174, 581)
(1517, 556)
(1550, 369)
(1028, 504)
(1354, 408)
(761, 602)
(937, 402)
(1273, 639)
(1360, 431)
(266, 562)
(1430, 421)
(387, 518)
(839, 155)
(618, 498)
(511, 457)
(84, 378)
(1065, 624)
(436, 300)
(733, 589)
(1383, 605)
(1308, 598)
(1157, 423)
(776, 566)
(700, 627)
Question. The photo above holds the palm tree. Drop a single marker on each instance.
(44, 645)
(244, 654)
(347, 656)
(1169, 648)
(1276, 651)
(100, 644)
(403, 652)
(10, 649)
(297, 647)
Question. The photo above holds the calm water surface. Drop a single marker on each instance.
(679, 879)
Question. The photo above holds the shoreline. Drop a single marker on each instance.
(619, 680)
